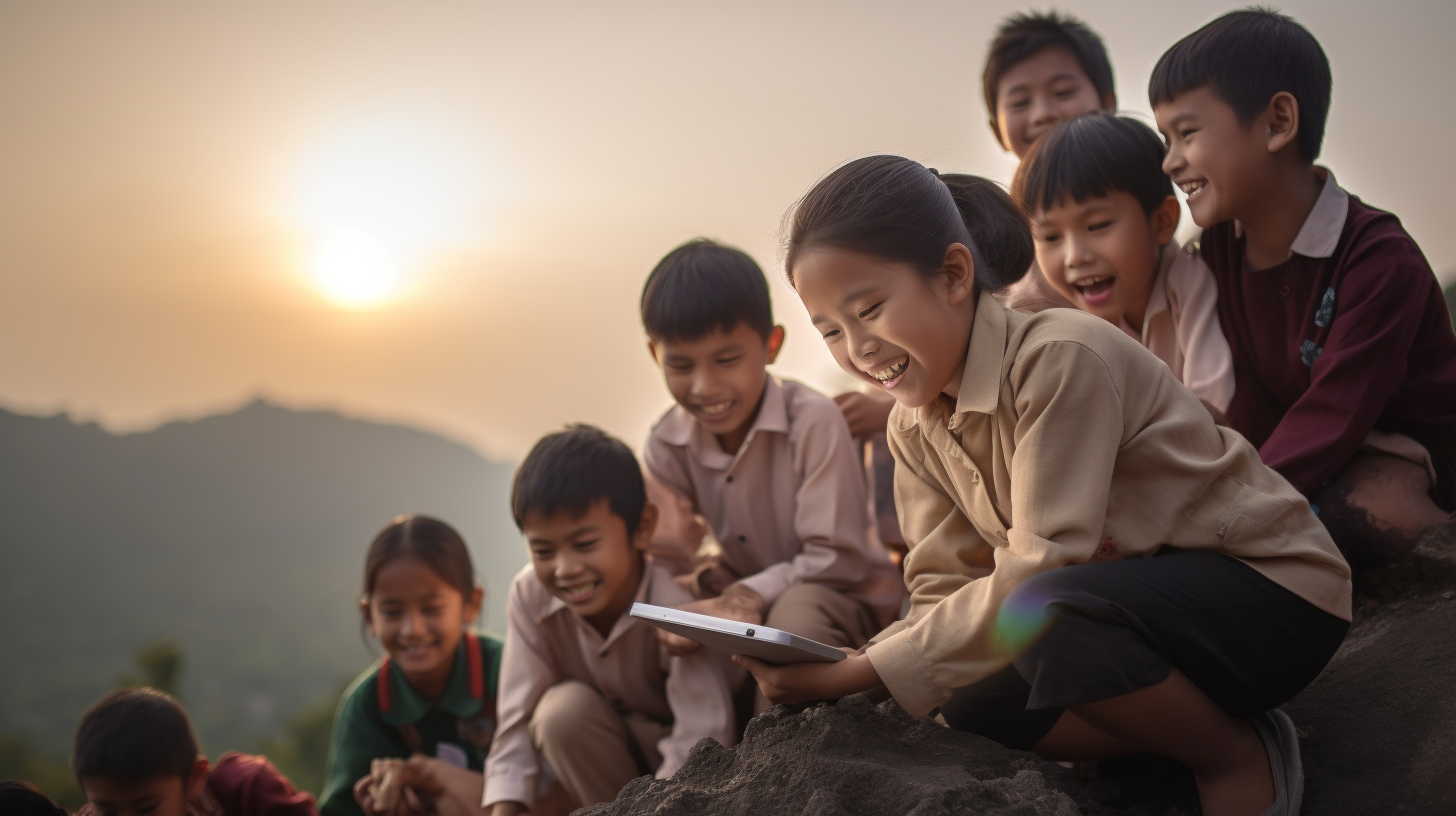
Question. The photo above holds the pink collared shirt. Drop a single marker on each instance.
(547, 643)
(1181, 326)
(790, 507)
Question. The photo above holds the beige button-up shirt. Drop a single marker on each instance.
(790, 507)
(547, 643)
(1112, 458)
(1181, 327)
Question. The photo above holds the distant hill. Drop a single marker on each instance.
(240, 536)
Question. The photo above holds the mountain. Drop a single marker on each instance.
(240, 537)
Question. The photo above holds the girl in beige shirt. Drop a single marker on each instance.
(1095, 567)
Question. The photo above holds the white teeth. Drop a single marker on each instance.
(887, 374)
(1090, 281)
(1192, 188)
(716, 408)
(576, 593)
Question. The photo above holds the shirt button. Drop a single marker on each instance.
(1284, 291)
(742, 538)
(975, 477)
(730, 479)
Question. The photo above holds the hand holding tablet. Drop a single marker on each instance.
(763, 642)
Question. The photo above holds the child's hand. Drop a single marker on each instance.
(801, 682)
(867, 414)
(398, 787)
(737, 602)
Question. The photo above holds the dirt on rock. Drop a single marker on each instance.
(1378, 728)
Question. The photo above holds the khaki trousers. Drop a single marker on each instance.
(819, 613)
(593, 749)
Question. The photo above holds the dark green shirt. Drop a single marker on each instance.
(363, 732)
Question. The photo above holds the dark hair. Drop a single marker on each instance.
(567, 471)
(1093, 156)
(701, 286)
(897, 209)
(134, 734)
(430, 540)
(1022, 36)
(24, 799)
(1245, 57)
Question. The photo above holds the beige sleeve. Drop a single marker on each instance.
(527, 671)
(701, 699)
(1068, 431)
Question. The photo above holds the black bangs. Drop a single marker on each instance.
(704, 286)
(1090, 157)
(1245, 57)
(567, 472)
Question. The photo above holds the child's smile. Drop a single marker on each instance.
(719, 378)
(890, 376)
(419, 619)
(589, 561)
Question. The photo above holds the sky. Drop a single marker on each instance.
(178, 182)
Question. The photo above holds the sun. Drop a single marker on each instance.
(355, 270)
(378, 203)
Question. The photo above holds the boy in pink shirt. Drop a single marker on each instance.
(768, 463)
(585, 689)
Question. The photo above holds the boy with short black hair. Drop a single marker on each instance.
(1103, 214)
(583, 685)
(1042, 69)
(135, 753)
(769, 463)
(1344, 355)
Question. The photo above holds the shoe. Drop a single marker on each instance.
(1281, 742)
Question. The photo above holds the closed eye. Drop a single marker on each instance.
(867, 312)
(1099, 226)
(586, 545)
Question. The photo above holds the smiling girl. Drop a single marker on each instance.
(1095, 567)
(431, 698)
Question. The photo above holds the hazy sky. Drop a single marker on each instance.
(171, 174)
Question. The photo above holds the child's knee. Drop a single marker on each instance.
(1376, 508)
(564, 710)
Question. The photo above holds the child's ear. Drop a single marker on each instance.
(775, 343)
(1109, 102)
(646, 526)
(1000, 137)
(367, 613)
(197, 778)
(474, 602)
(959, 270)
(1283, 116)
(1164, 220)
(652, 350)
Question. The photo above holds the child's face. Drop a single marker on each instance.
(887, 324)
(719, 378)
(158, 796)
(1102, 254)
(1034, 95)
(1217, 161)
(419, 618)
(589, 561)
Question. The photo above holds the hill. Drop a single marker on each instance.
(241, 537)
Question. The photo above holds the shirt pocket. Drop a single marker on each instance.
(1232, 510)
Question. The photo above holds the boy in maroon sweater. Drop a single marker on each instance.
(1344, 356)
(136, 755)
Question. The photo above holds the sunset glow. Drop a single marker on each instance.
(377, 204)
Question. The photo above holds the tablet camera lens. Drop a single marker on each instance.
(750, 633)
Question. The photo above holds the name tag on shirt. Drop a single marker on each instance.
(452, 754)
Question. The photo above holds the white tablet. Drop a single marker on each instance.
(762, 642)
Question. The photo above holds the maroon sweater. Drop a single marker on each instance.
(1328, 348)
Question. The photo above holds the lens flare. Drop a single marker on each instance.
(355, 270)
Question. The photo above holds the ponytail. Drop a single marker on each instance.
(900, 210)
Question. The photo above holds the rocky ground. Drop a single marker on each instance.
(1379, 737)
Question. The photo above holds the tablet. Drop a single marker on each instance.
(737, 637)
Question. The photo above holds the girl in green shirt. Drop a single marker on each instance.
(414, 729)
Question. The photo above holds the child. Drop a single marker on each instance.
(24, 799)
(1042, 69)
(583, 685)
(433, 693)
(1103, 216)
(1096, 567)
(135, 754)
(1344, 356)
(769, 463)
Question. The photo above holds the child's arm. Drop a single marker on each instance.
(527, 671)
(358, 738)
(1379, 307)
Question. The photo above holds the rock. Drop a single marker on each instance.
(1378, 728)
